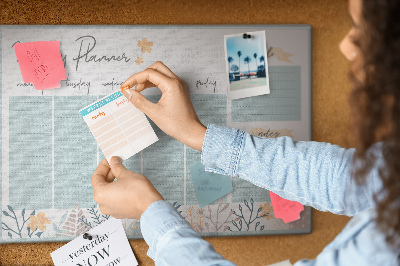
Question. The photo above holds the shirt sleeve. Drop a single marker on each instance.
(313, 173)
(172, 241)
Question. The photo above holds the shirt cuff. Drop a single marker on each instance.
(221, 149)
(159, 218)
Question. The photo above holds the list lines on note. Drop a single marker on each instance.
(119, 128)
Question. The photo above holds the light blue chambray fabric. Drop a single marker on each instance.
(312, 173)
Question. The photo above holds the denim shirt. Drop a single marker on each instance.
(312, 173)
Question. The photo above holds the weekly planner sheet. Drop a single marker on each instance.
(48, 137)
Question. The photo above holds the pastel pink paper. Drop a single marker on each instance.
(284, 209)
(41, 63)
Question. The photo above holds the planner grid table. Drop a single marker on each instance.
(48, 154)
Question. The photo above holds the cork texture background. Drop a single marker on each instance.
(330, 119)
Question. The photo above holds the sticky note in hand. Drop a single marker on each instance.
(119, 128)
(284, 209)
(209, 186)
(41, 63)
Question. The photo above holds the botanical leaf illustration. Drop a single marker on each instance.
(73, 226)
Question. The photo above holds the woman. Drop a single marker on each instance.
(360, 182)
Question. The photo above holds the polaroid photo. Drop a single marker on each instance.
(246, 64)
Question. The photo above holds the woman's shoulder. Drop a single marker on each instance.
(362, 240)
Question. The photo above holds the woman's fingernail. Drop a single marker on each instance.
(124, 88)
(128, 94)
(115, 160)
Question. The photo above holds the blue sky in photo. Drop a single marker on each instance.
(248, 47)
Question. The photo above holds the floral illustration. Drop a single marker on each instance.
(190, 215)
(195, 218)
(139, 60)
(274, 224)
(280, 54)
(38, 221)
(130, 225)
(95, 215)
(146, 46)
(199, 220)
(267, 209)
(176, 206)
(221, 217)
(58, 229)
(242, 220)
(218, 224)
(73, 225)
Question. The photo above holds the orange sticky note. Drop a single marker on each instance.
(284, 209)
(41, 63)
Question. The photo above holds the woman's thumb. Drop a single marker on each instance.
(138, 100)
(117, 167)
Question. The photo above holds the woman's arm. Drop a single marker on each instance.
(313, 173)
(172, 241)
(125, 194)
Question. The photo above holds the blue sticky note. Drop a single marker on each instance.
(209, 186)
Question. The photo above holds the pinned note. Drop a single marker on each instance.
(284, 209)
(41, 63)
(106, 245)
(209, 186)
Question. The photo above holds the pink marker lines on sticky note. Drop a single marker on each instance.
(284, 209)
(41, 63)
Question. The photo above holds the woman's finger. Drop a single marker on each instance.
(100, 174)
(159, 80)
(142, 86)
(160, 67)
(110, 177)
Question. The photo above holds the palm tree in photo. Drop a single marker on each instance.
(247, 60)
(230, 60)
(255, 57)
(239, 54)
(262, 59)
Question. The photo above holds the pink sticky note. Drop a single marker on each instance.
(287, 210)
(41, 63)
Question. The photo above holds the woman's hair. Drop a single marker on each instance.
(375, 104)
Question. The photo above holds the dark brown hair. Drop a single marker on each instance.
(375, 103)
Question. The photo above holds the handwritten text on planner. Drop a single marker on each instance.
(100, 114)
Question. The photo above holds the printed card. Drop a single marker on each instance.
(246, 64)
(108, 246)
(119, 128)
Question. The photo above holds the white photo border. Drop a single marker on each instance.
(247, 92)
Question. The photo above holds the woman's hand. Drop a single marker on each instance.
(127, 197)
(174, 113)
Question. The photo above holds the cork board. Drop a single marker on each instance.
(330, 91)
